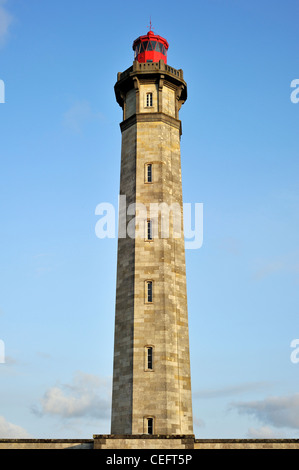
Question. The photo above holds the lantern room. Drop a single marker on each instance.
(150, 48)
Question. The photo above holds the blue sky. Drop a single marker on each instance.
(60, 157)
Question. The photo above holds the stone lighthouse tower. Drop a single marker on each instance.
(151, 374)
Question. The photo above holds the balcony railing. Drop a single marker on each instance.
(150, 66)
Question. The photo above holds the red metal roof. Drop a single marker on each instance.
(150, 48)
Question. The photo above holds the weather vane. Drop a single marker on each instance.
(151, 25)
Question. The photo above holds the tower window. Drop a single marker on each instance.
(149, 358)
(150, 425)
(149, 173)
(149, 230)
(159, 47)
(149, 291)
(149, 100)
(151, 45)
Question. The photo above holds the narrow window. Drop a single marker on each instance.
(149, 100)
(149, 230)
(149, 173)
(149, 358)
(150, 425)
(149, 291)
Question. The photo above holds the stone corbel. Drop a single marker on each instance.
(123, 103)
(137, 88)
(179, 102)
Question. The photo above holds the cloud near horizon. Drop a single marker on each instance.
(87, 395)
(264, 432)
(276, 411)
(12, 431)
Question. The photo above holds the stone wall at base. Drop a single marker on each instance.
(46, 444)
(143, 441)
(246, 444)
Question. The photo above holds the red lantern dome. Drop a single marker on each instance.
(150, 48)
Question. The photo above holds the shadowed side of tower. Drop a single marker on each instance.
(151, 375)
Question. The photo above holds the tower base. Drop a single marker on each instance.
(143, 441)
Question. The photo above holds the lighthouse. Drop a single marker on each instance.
(151, 369)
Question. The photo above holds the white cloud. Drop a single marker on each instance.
(79, 114)
(276, 411)
(12, 431)
(87, 395)
(264, 432)
(5, 22)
